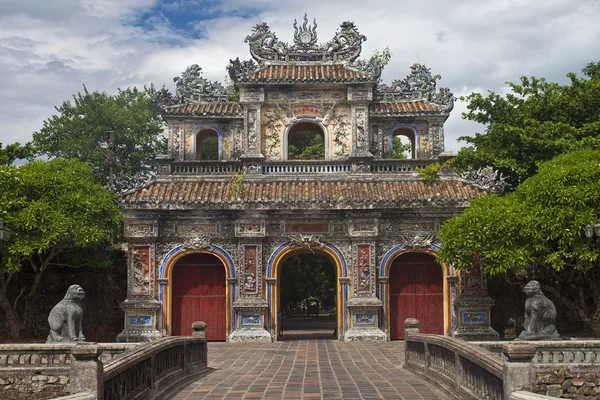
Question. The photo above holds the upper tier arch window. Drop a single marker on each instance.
(306, 140)
(402, 143)
(207, 144)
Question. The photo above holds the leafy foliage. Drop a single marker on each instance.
(540, 224)
(400, 151)
(536, 121)
(306, 145)
(307, 276)
(117, 135)
(430, 173)
(13, 152)
(210, 148)
(58, 216)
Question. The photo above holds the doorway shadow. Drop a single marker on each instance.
(301, 327)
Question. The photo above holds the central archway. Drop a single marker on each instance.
(307, 297)
(274, 266)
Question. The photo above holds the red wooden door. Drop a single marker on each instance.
(416, 291)
(199, 295)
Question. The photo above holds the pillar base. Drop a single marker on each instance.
(365, 335)
(140, 321)
(473, 317)
(364, 319)
(250, 321)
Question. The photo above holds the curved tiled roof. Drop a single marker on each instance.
(404, 107)
(306, 73)
(205, 109)
(305, 194)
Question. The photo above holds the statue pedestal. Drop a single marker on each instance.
(140, 321)
(250, 321)
(364, 320)
(473, 318)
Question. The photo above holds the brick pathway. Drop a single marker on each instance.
(309, 369)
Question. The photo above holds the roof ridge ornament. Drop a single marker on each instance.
(420, 84)
(192, 87)
(306, 36)
(265, 47)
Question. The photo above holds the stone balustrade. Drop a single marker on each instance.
(155, 369)
(457, 367)
(309, 167)
(106, 371)
(37, 371)
(518, 370)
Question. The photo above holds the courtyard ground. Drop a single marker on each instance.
(308, 369)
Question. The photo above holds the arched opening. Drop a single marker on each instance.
(305, 141)
(402, 144)
(207, 145)
(308, 297)
(416, 291)
(198, 293)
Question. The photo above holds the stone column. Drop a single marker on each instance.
(250, 307)
(384, 281)
(252, 100)
(141, 307)
(473, 307)
(344, 282)
(518, 372)
(359, 99)
(87, 371)
(364, 306)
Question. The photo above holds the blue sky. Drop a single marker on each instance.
(49, 49)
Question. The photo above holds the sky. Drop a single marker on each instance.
(50, 49)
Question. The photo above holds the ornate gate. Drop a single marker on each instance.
(416, 291)
(199, 295)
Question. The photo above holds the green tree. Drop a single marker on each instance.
(306, 145)
(536, 121)
(210, 148)
(15, 151)
(538, 230)
(59, 217)
(117, 135)
(307, 275)
(400, 151)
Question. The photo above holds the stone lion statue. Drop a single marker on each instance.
(540, 315)
(65, 317)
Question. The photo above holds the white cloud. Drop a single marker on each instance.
(49, 49)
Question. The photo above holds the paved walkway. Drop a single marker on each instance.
(308, 369)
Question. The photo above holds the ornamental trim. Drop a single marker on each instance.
(420, 84)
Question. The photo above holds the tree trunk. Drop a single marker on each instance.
(12, 318)
(111, 159)
(30, 298)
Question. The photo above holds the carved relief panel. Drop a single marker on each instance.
(175, 141)
(250, 229)
(251, 268)
(364, 269)
(363, 228)
(360, 130)
(141, 229)
(141, 270)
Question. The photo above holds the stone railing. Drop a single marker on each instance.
(505, 370)
(106, 371)
(462, 370)
(40, 371)
(308, 167)
(154, 370)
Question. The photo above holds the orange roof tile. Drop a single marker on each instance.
(306, 74)
(205, 109)
(417, 106)
(307, 194)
